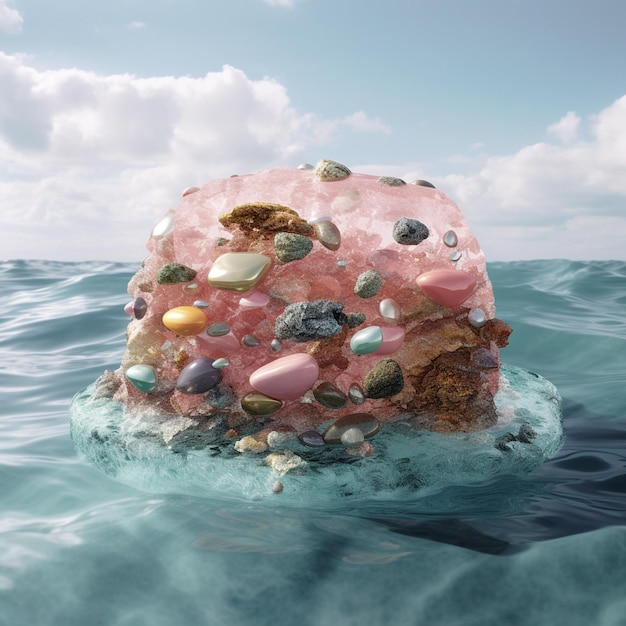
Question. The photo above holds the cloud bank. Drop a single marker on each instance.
(10, 19)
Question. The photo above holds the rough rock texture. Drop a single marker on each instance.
(443, 375)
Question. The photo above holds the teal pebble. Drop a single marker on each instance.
(367, 340)
(143, 377)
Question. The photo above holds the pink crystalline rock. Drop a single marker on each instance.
(325, 293)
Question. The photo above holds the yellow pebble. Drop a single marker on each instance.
(185, 320)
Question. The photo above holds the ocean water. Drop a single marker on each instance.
(79, 548)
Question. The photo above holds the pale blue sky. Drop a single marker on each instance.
(514, 109)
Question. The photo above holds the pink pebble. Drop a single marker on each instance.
(189, 190)
(217, 347)
(286, 378)
(255, 300)
(393, 338)
(129, 307)
(447, 287)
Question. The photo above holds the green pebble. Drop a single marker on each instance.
(172, 273)
(385, 379)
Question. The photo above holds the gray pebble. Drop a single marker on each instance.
(368, 284)
(409, 232)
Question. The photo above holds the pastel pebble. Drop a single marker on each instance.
(393, 338)
(164, 227)
(238, 271)
(255, 300)
(366, 340)
(449, 288)
(286, 378)
(328, 235)
(140, 308)
(198, 377)
(189, 190)
(367, 424)
(142, 376)
(389, 310)
(220, 345)
(185, 320)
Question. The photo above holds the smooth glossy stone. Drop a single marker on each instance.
(366, 423)
(449, 288)
(305, 166)
(143, 377)
(450, 239)
(330, 396)
(218, 329)
(390, 310)
(260, 404)
(191, 287)
(198, 377)
(255, 300)
(356, 394)
(276, 345)
(172, 273)
(221, 363)
(456, 255)
(140, 307)
(220, 345)
(329, 171)
(251, 341)
(238, 271)
(409, 232)
(393, 338)
(423, 183)
(319, 218)
(128, 309)
(190, 190)
(311, 438)
(164, 227)
(286, 378)
(328, 235)
(342, 264)
(366, 340)
(352, 436)
(185, 320)
(477, 318)
(201, 304)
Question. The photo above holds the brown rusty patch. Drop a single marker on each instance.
(264, 219)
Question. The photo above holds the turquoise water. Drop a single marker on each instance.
(78, 548)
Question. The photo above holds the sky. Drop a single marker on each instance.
(110, 108)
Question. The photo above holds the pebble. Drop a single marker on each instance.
(221, 363)
(286, 378)
(190, 190)
(450, 239)
(393, 338)
(311, 438)
(238, 271)
(391, 181)
(276, 345)
(477, 318)
(449, 288)
(390, 310)
(352, 436)
(172, 273)
(368, 284)
(198, 377)
(456, 255)
(164, 227)
(366, 340)
(259, 404)
(277, 487)
(423, 183)
(330, 396)
(305, 166)
(201, 304)
(191, 287)
(185, 320)
(306, 321)
(251, 341)
(356, 394)
(328, 234)
(481, 357)
(220, 345)
(255, 300)
(142, 376)
(367, 425)
(409, 232)
(329, 171)
(291, 246)
(218, 329)
(140, 307)
(385, 379)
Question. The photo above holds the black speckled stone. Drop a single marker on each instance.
(409, 232)
(172, 273)
(385, 379)
(305, 321)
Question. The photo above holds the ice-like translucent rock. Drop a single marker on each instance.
(156, 455)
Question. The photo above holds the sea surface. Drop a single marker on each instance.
(78, 548)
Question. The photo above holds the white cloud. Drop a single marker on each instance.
(107, 155)
(280, 3)
(362, 123)
(566, 129)
(137, 25)
(10, 19)
(551, 200)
